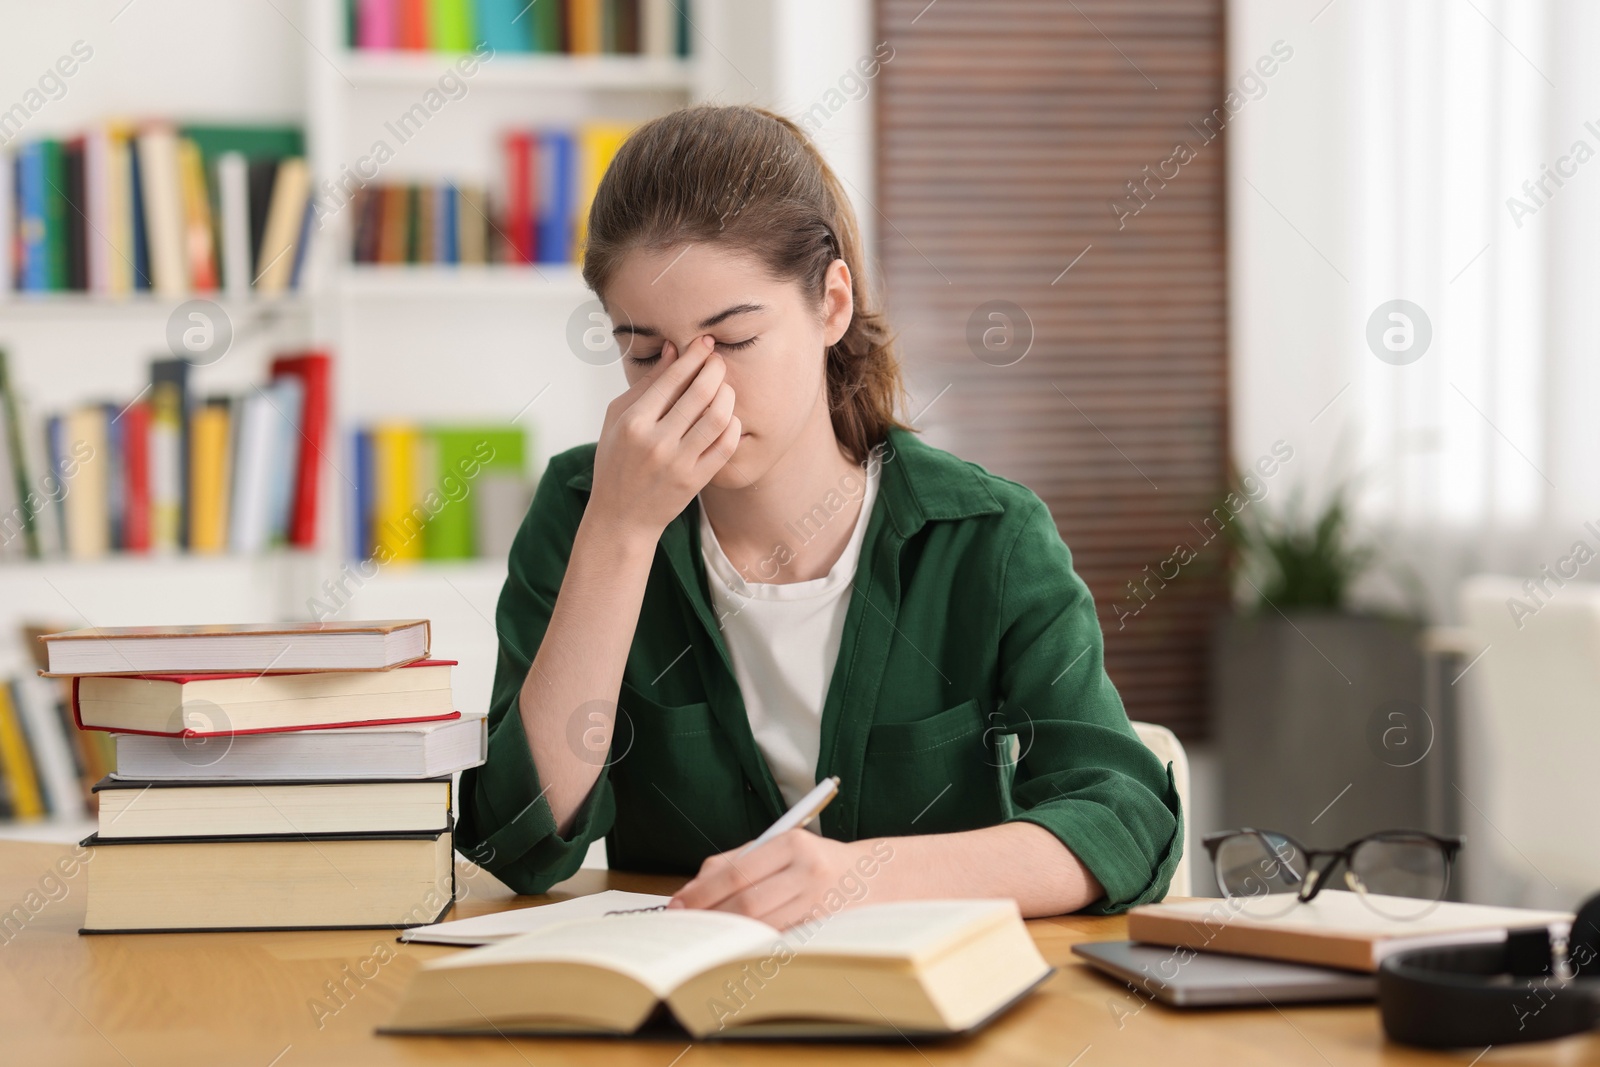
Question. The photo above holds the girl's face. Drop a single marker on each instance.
(771, 334)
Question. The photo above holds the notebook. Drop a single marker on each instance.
(901, 970)
(1336, 929)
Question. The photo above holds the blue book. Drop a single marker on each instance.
(301, 242)
(447, 236)
(141, 237)
(362, 520)
(557, 160)
(34, 276)
(501, 28)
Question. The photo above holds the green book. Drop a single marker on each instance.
(463, 456)
(55, 212)
(451, 23)
(545, 29)
(252, 142)
(11, 415)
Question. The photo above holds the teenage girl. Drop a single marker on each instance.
(759, 578)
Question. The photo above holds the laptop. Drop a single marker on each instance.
(1184, 978)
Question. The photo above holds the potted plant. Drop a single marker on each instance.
(1318, 706)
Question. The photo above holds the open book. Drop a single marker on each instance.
(925, 967)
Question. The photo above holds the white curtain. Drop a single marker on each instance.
(1445, 153)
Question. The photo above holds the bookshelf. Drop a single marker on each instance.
(424, 343)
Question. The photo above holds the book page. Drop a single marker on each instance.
(657, 949)
(909, 930)
(503, 925)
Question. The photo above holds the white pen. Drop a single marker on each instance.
(805, 809)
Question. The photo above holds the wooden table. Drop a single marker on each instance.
(262, 1000)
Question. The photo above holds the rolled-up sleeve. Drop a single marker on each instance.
(505, 824)
(1082, 773)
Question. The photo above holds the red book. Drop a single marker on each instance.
(136, 477)
(313, 370)
(220, 705)
(414, 24)
(519, 197)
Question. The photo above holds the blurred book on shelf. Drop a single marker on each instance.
(441, 492)
(153, 206)
(166, 471)
(535, 215)
(47, 768)
(572, 27)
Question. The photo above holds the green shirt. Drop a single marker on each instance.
(969, 691)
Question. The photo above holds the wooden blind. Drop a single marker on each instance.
(1007, 130)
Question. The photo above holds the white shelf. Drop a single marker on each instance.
(408, 282)
(68, 307)
(420, 70)
(113, 563)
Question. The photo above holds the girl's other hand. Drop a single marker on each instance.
(663, 440)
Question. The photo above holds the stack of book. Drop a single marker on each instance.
(576, 27)
(168, 470)
(158, 207)
(269, 776)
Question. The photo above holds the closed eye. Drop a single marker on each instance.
(727, 346)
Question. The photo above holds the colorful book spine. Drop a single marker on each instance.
(136, 477)
(27, 801)
(500, 27)
(314, 371)
(377, 24)
(34, 242)
(451, 23)
(557, 204)
(397, 528)
(210, 426)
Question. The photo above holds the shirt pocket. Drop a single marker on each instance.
(680, 794)
(933, 775)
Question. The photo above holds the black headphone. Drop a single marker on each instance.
(1532, 987)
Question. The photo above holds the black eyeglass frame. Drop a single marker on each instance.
(1314, 879)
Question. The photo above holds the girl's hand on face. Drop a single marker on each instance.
(664, 439)
(784, 881)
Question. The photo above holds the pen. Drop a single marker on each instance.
(805, 809)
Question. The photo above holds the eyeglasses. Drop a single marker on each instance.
(1399, 874)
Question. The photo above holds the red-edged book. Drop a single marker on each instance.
(520, 200)
(136, 477)
(222, 705)
(414, 24)
(313, 370)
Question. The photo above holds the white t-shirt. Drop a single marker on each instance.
(784, 642)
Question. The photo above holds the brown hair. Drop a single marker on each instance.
(747, 178)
